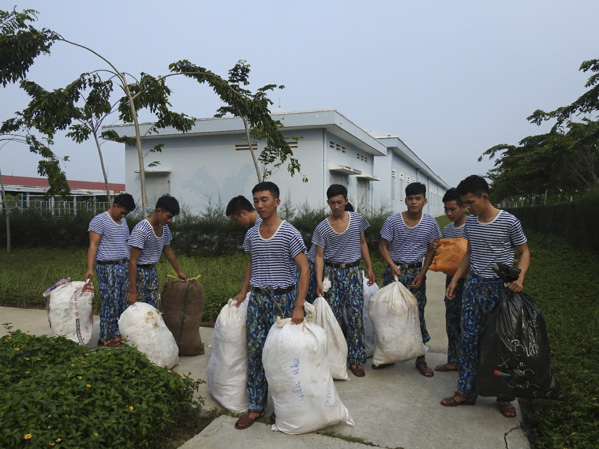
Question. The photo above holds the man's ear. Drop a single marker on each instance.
(277, 202)
(425, 200)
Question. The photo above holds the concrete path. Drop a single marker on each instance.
(392, 408)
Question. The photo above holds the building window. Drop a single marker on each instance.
(393, 174)
(362, 158)
(401, 176)
(245, 147)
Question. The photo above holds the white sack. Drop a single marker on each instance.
(143, 327)
(70, 311)
(227, 367)
(369, 333)
(297, 370)
(394, 314)
(336, 343)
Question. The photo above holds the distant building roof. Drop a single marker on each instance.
(27, 182)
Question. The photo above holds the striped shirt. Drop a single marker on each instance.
(113, 237)
(273, 264)
(493, 242)
(408, 244)
(312, 253)
(341, 247)
(451, 232)
(151, 246)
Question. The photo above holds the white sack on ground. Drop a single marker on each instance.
(227, 367)
(70, 311)
(299, 379)
(143, 327)
(336, 343)
(369, 333)
(394, 314)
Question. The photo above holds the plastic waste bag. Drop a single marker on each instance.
(227, 367)
(448, 255)
(143, 327)
(336, 343)
(369, 333)
(70, 310)
(297, 371)
(515, 355)
(394, 315)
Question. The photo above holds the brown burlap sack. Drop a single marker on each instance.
(182, 309)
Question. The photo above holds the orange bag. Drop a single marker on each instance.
(449, 255)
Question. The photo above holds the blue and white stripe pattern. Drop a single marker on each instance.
(452, 232)
(342, 247)
(408, 244)
(113, 237)
(273, 264)
(151, 246)
(493, 242)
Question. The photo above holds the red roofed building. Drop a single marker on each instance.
(31, 192)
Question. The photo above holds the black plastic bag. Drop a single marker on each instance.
(514, 351)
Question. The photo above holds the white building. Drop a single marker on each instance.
(212, 162)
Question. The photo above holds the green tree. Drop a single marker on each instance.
(560, 162)
(253, 109)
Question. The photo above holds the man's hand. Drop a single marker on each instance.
(132, 298)
(297, 316)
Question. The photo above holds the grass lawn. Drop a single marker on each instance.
(564, 283)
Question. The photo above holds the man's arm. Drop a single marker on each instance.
(366, 256)
(94, 241)
(384, 250)
(246, 284)
(297, 316)
(523, 264)
(319, 267)
(170, 256)
(462, 269)
(428, 259)
(133, 258)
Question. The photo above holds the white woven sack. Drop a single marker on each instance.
(394, 314)
(336, 343)
(70, 311)
(297, 370)
(143, 327)
(227, 367)
(369, 333)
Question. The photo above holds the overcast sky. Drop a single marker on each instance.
(451, 78)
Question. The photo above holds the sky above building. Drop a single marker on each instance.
(451, 79)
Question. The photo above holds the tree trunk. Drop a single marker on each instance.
(7, 209)
(249, 140)
(103, 169)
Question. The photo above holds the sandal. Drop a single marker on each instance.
(246, 419)
(382, 365)
(357, 370)
(446, 367)
(113, 342)
(458, 399)
(424, 369)
(273, 418)
(506, 408)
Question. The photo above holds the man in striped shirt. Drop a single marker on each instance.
(493, 236)
(405, 238)
(241, 211)
(108, 235)
(149, 239)
(276, 250)
(340, 243)
(455, 211)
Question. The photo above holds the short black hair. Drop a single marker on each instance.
(267, 185)
(125, 200)
(349, 207)
(237, 204)
(416, 188)
(169, 204)
(337, 189)
(474, 184)
(452, 195)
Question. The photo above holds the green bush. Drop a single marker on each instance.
(54, 392)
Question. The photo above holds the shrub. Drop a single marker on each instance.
(53, 390)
